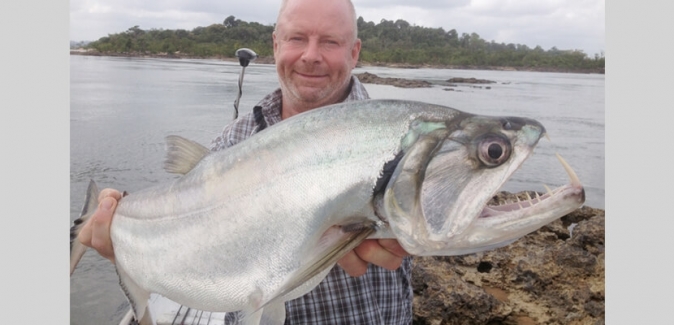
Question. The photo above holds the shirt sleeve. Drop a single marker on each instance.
(235, 132)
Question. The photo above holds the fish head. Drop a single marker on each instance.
(436, 199)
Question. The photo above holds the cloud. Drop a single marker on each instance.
(423, 5)
(566, 24)
(570, 24)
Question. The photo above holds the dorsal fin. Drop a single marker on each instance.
(182, 154)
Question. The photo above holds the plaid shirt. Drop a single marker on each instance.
(378, 297)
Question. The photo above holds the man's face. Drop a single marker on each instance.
(315, 51)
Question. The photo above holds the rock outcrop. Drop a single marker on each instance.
(470, 81)
(367, 77)
(554, 275)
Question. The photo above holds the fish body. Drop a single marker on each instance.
(252, 226)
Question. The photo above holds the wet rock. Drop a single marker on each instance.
(551, 276)
(470, 80)
(442, 298)
(367, 77)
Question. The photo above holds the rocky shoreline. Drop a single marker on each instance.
(367, 77)
(551, 276)
(451, 83)
(494, 68)
(270, 60)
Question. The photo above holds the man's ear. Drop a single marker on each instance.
(355, 52)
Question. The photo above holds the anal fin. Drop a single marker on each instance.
(138, 298)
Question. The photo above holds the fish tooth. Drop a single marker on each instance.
(572, 175)
(549, 190)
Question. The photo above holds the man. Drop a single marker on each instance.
(315, 48)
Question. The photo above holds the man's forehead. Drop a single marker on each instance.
(323, 9)
(321, 17)
(323, 30)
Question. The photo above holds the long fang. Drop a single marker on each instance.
(549, 190)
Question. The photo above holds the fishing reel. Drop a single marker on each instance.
(245, 56)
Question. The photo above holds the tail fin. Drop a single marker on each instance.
(77, 249)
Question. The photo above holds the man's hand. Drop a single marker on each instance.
(96, 232)
(386, 253)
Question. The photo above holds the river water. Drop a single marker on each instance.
(122, 108)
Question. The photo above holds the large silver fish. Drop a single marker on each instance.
(262, 222)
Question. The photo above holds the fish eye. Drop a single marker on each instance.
(493, 150)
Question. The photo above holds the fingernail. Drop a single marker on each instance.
(106, 204)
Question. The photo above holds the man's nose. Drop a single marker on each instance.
(312, 52)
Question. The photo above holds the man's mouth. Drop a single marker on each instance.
(310, 75)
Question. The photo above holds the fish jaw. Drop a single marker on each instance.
(448, 175)
(465, 202)
(498, 226)
(504, 223)
(436, 201)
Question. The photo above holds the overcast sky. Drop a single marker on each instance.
(566, 24)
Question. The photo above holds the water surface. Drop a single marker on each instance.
(122, 108)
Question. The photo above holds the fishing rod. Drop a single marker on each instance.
(245, 56)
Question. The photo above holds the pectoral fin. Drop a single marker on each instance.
(334, 244)
(271, 314)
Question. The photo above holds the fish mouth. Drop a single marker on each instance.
(499, 225)
(573, 191)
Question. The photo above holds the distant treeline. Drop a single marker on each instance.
(389, 42)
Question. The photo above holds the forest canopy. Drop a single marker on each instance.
(388, 42)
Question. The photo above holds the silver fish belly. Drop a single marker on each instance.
(260, 223)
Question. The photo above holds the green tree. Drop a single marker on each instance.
(231, 21)
(388, 41)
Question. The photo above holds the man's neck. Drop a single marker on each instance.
(290, 107)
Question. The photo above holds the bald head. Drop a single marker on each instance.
(346, 5)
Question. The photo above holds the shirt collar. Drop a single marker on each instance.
(271, 104)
